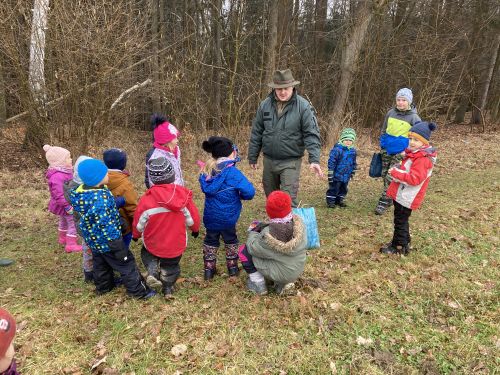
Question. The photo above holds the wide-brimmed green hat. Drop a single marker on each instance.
(283, 79)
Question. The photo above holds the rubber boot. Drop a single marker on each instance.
(232, 259)
(71, 245)
(62, 236)
(209, 261)
(383, 204)
(168, 278)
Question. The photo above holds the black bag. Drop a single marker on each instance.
(376, 165)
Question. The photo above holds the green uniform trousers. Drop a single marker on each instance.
(282, 175)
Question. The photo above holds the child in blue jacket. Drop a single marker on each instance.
(341, 167)
(101, 230)
(224, 187)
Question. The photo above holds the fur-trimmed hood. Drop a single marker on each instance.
(299, 233)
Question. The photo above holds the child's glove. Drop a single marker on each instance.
(69, 210)
(195, 234)
(119, 202)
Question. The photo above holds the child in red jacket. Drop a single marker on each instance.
(410, 180)
(162, 215)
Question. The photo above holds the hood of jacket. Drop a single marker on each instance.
(116, 178)
(213, 184)
(287, 247)
(426, 151)
(52, 171)
(170, 196)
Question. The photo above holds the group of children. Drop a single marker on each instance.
(97, 200)
(407, 163)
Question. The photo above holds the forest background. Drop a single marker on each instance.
(72, 70)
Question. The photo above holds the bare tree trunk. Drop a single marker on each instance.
(271, 44)
(217, 51)
(232, 80)
(37, 129)
(354, 43)
(155, 69)
(37, 51)
(320, 13)
(476, 112)
(3, 108)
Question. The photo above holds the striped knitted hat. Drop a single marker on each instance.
(348, 134)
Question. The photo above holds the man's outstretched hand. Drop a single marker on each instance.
(316, 168)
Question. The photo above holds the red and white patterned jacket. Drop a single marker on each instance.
(410, 179)
(162, 216)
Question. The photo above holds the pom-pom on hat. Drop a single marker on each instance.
(348, 134)
(161, 171)
(92, 172)
(422, 131)
(406, 94)
(115, 158)
(219, 147)
(7, 331)
(56, 156)
(278, 204)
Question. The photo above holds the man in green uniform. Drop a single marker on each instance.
(283, 128)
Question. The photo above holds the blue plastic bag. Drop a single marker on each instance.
(376, 165)
(308, 216)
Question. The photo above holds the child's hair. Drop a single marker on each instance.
(210, 165)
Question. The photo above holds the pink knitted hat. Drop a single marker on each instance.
(165, 133)
(56, 156)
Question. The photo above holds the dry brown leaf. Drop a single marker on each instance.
(178, 350)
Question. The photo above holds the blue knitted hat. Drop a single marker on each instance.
(422, 131)
(92, 171)
(406, 94)
(114, 158)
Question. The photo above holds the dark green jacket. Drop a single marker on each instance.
(286, 136)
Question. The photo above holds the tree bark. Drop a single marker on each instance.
(155, 69)
(354, 43)
(271, 44)
(36, 76)
(476, 112)
(217, 51)
(3, 100)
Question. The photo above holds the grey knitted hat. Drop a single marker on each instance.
(161, 171)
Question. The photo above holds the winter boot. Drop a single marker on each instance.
(168, 277)
(284, 289)
(399, 249)
(232, 259)
(62, 236)
(88, 276)
(341, 203)
(71, 245)
(259, 288)
(383, 204)
(210, 261)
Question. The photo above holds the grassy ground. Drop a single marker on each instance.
(435, 311)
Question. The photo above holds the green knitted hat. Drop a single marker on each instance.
(348, 134)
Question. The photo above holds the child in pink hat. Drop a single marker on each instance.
(61, 170)
(165, 144)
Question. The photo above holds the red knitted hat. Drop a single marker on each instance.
(7, 331)
(278, 204)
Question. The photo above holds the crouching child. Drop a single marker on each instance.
(101, 230)
(275, 250)
(161, 217)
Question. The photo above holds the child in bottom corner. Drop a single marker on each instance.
(120, 186)
(162, 216)
(7, 333)
(101, 230)
(409, 184)
(224, 187)
(341, 168)
(61, 170)
(275, 250)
